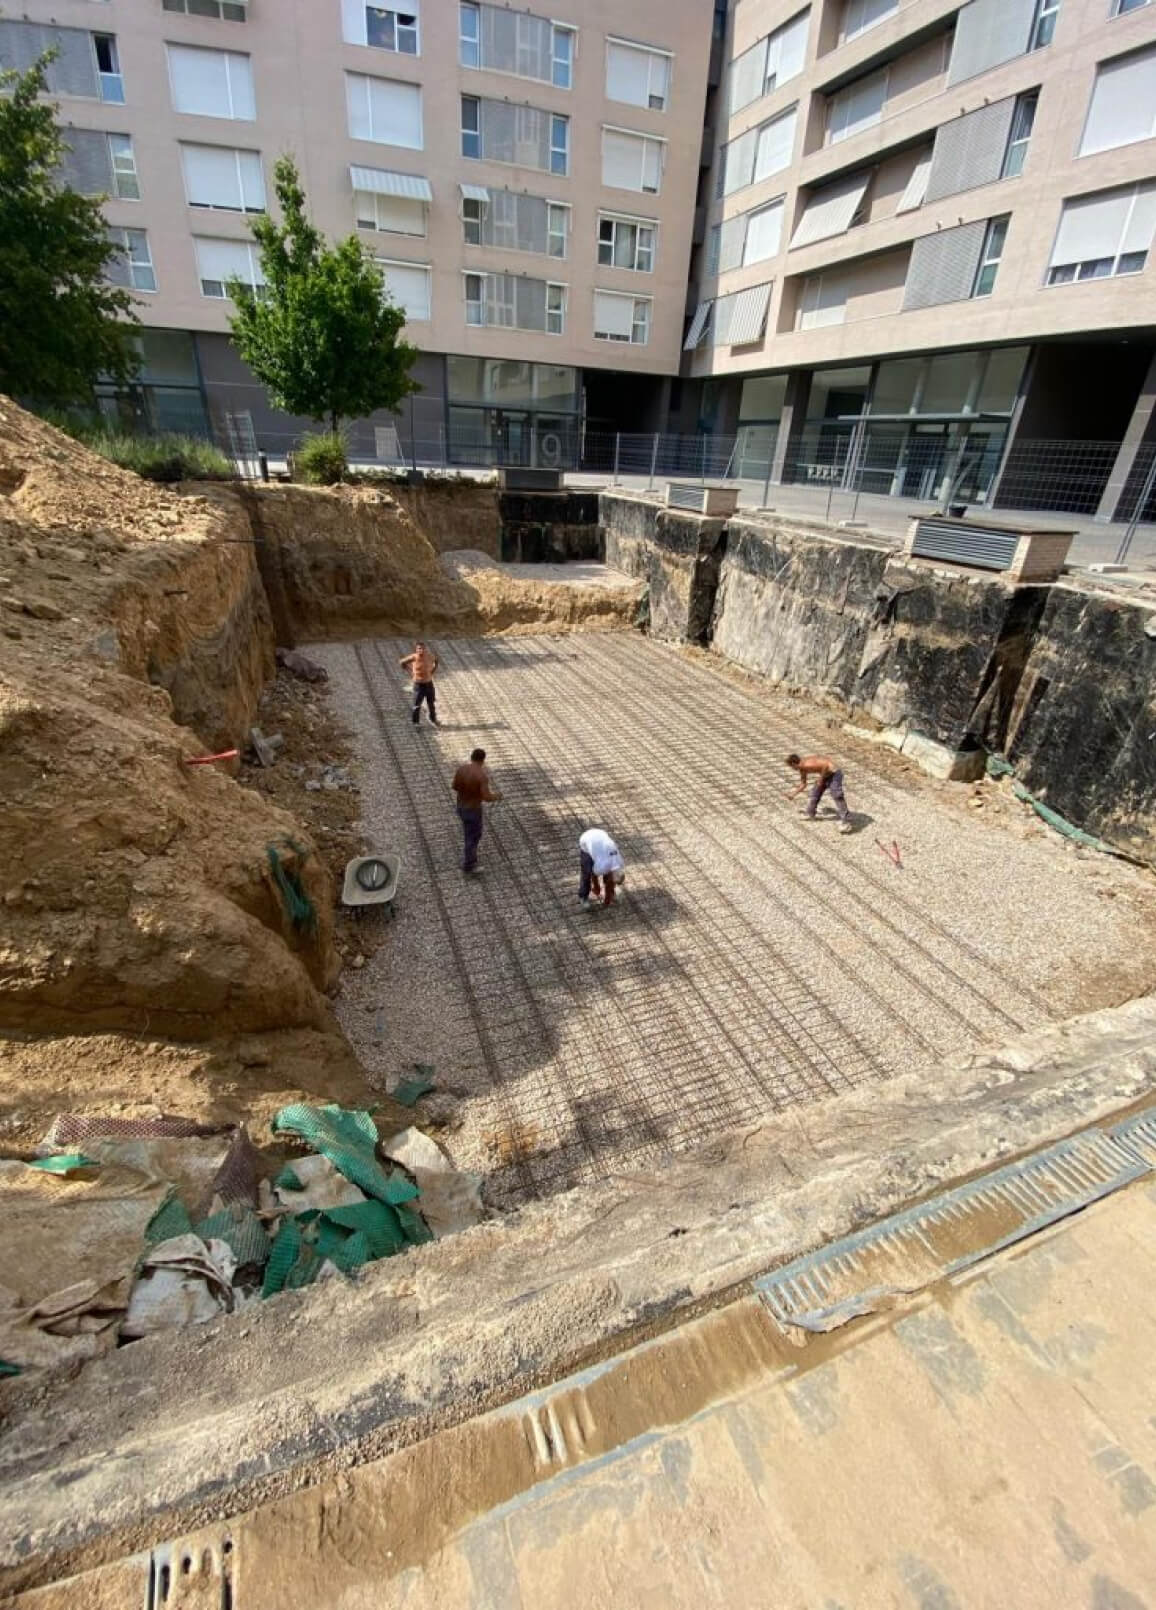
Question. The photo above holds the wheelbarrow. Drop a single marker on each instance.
(371, 880)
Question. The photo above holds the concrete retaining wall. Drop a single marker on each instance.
(678, 555)
(947, 664)
(549, 527)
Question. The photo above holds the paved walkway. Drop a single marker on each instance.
(756, 961)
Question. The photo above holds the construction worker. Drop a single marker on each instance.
(828, 779)
(471, 784)
(422, 665)
(601, 866)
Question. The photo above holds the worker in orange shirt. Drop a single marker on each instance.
(422, 665)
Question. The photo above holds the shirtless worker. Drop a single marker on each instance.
(422, 665)
(601, 866)
(828, 780)
(471, 784)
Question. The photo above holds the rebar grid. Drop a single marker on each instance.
(608, 1039)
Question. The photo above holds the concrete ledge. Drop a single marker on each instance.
(154, 1437)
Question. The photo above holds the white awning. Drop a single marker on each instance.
(829, 211)
(697, 326)
(383, 183)
(745, 318)
(474, 192)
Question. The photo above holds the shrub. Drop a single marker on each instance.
(155, 458)
(322, 460)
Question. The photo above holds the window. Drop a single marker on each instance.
(638, 75)
(764, 233)
(821, 303)
(557, 228)
(1123, 105)
(632, 161)
(1104, 235)
(1023, 120)
(219, 261)
(859, 15)
(555, 309)
(626, 243)
(108, 72)
(562, 58)
(221, 10)
(758, 153)
(379, 28)
(473, 213)
(621, 318)
(211, 83)
(126, 184)
(559, 144)
(770, 64)
(409, 286)
(518, 42)
(231, 181)
(469, 36)
(741, 318)
(1128, 5)
(135, 262)
(858, 107)
(475, 299)
(471, 126)
(390, 215)
(713, 248)
(384, 110)
(993, 244)
(1044, 23)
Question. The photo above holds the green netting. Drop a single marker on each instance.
(243, 1232)
(68, 1163)
(170, 1219)
(414, 1226)
(348, 1138)
(410, 1091)
(9, 1369)
(355, 1253)
(300, 909)
(289, 1179)
(379, 1223)
(282, 1256)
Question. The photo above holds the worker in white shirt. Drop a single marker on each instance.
(602, 866)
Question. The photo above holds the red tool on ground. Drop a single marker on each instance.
(207, 760)
(892, 854)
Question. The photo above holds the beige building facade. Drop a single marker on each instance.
(526, 179)
(928, 258)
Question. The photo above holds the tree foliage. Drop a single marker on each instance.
(322, 333)
(61, 323)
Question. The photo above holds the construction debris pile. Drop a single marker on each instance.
(125, 1227)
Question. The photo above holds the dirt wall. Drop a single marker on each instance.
(137, 890)
(453, 514)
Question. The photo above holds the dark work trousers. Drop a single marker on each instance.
(832, 785)
(587, 881)
(424, 690)
(587, 865)
(472, 824)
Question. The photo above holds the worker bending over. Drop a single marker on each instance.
(828, 779)
(601, 865)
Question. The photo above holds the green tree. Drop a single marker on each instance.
(322, 333)
(61, 323)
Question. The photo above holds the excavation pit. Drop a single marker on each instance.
(757, 962)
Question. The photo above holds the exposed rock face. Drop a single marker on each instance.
(677, 555)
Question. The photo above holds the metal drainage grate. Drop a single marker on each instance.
(1138, 1135)
(948, 1233)
(685, 495)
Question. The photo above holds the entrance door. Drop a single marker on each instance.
(511, 436)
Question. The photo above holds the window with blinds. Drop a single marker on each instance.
(518, 42)
(409, 285)
(859, 15)
(220, 10)
(857, 107)
(1105, 234)
(1122, 110)
(389, 214)
(515, 302)
(524, 136)
(970, 150)
(211, 83)
(741, 318)
(751, 237)
(100, 164)
(618, 317)
(943, 267)
(988, 32)
(759, 153)
(638, 75)
(384, 110)
(769, 64)
(85, 64)
(219, 261)
(632, 161)
(823, 301)
(215, 176)
(509, 220)
(832, 209)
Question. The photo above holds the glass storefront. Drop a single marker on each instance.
(166, 394)
(760, 410)
(506, 411)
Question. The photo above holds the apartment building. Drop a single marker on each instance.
(526, 180)
(928, 256)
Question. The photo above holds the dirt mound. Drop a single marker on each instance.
(138, 891)
(502, 602)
